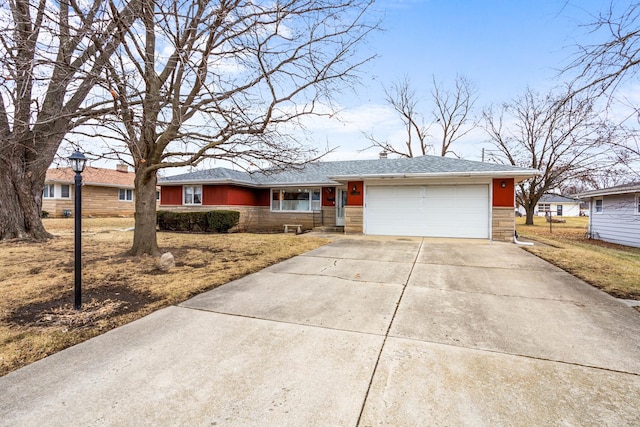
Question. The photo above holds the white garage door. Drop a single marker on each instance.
(428, 210)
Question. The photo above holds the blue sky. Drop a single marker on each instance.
(503, 47)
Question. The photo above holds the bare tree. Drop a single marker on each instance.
(598, 179)
(452, 113)
(404, 101)
(564, 138)
(603, 69)
(51, 57)
(224, 80)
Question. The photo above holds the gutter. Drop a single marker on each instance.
(608, 192)
(248, 184)
(93, 184)
(518, 175)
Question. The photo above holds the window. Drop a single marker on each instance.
(544, 207)
(298, 199)
(65, 191)
(637, 209)
(125, 195)
(193, 195)
(598, 206)
(49, 191)
(157, 196)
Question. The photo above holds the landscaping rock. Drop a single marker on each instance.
(167, 261)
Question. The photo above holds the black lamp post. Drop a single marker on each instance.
(77, 161)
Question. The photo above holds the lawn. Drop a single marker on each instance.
(612, 268)
(36, 314)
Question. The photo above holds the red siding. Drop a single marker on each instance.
(328, 196)
(214, 195)
(171, 195)
(355, 193)
(263, 196)
(231, 195)
(503, 197)
(241, 196)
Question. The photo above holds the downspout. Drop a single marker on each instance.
(515, 240)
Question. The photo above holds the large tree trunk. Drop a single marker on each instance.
(144, 235)
(530, 210)
(21, 199)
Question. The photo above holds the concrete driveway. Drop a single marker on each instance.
(364, 331)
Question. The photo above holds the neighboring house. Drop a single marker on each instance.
(556, 205)
(105, 192)
(614, 214)
(421, 196)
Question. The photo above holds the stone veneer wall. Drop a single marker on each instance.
(260, 218)
(353, 220)
(96, 201)
(503, 224)
(328, 216)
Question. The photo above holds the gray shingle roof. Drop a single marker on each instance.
(554, 198)
(329, 172)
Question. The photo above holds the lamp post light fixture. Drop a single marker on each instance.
(77, 161)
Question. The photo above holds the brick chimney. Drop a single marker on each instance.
(122, 167)
(383, 154)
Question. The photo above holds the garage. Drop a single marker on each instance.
(427, 210)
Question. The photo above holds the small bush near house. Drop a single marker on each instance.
(44, 214)
(222, 221)
(219, 221)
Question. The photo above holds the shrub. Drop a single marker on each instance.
(220, 221)
(44, 214)
(167, 220)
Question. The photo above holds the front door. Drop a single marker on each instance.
(341, 202)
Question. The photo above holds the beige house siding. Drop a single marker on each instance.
(328, 216)
(503, 224)
(353, 219)
(55, 207)
(96, 201)
(100, 191)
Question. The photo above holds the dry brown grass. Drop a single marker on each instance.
(612, 268)
(36, 315)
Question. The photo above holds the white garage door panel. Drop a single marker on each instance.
(436, 211)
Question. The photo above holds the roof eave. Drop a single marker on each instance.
(207, 182)
(300, 184)
(520, 175)
(101, 184)
(89, 183)
(248, 184)
(607, 192)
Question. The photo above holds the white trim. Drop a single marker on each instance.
(127, 192)
(517, 175)
(340, 205)
(57, 191)
(608, 192)
(47, 195)
(69, 196)
(184, 194)
(301, 189)
(595, 206)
